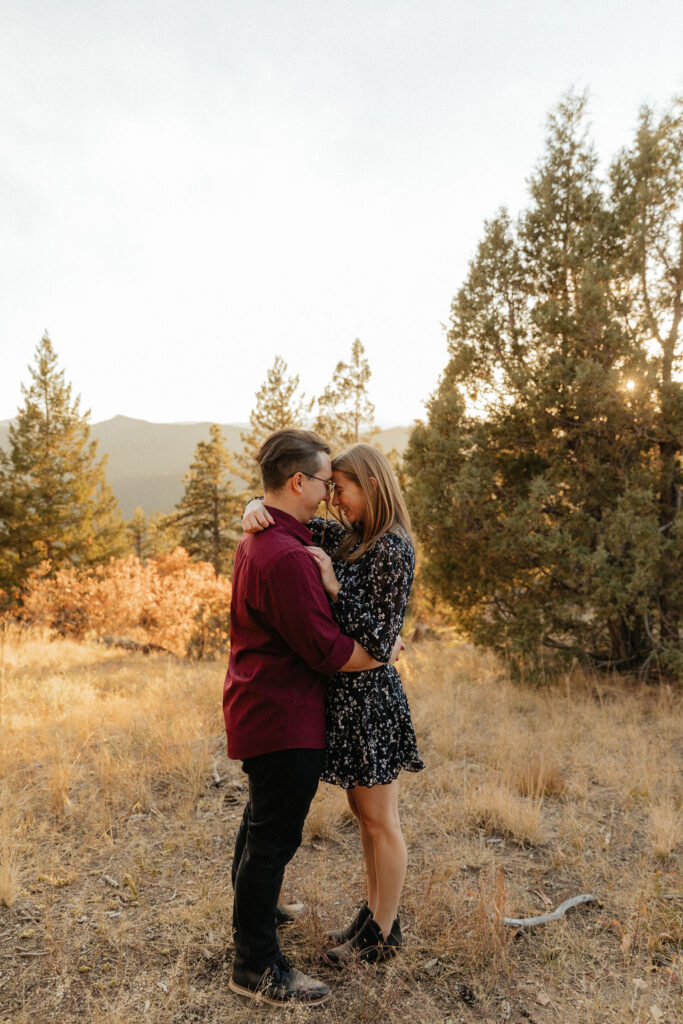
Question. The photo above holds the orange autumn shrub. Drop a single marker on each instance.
(169, 600)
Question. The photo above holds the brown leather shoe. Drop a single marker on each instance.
(283, 918)
(279, 984)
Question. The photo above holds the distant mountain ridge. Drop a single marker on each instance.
(146, 462)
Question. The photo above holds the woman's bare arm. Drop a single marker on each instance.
(256, 517)
(361, 661)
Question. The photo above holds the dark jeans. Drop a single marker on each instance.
(281, 787)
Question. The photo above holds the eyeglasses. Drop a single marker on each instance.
(329, 484)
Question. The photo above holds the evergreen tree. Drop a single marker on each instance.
(208, 514)
(546, 483)
(138, 529)
(153, 535)
(278, 406)
(345, 413)
(647, 201)
(55, 503)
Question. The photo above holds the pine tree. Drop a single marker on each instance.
(278, 406)
(153, 535)
(647, 202)
(546, 483)
(137, 530)
(55, 503)
(345, 413)
(208, 514)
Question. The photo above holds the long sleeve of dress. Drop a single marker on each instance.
(327, 533)
(375, 618)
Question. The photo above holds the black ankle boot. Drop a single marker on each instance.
(338, 938)
(368, 945)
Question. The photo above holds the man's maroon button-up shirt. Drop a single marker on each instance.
(283, 644)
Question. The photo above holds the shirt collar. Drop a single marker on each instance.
(290, 524)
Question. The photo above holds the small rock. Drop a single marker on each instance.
(656, 1013)
(542, 999)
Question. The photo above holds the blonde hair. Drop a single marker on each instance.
(385, 509)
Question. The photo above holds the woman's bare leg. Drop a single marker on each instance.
(368, 852)
(377, 809)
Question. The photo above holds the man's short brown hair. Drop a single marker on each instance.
(287, 452)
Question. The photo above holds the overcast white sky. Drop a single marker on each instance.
(190, 187)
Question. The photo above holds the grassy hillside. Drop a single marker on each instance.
(119, 810)
(146, 462)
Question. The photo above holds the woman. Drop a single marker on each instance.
(366, 562)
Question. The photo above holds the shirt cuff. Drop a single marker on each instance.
(338, 656)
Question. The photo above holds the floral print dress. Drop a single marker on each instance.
(370, 735)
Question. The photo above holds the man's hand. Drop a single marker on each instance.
(256, 517)
(324, 563)
(398, 647)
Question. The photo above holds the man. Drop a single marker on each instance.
(284, 643)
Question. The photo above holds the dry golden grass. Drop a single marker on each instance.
(115, 846)
(500, 809)
(10, 877)
(666, 825)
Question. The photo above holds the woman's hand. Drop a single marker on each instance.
(398, 647)
(256, 517)
(324, 563)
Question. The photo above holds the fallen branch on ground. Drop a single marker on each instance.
(555, 915)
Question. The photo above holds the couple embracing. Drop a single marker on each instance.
(311, 693)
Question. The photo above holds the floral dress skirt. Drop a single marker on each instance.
(370, 735)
